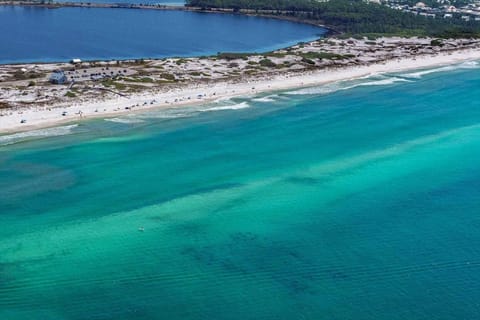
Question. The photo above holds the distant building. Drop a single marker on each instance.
(75, 61)
(58, 77)
(451, 9)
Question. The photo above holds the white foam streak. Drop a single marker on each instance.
(465, 65)
(330, 88)
(383, 82)
(168, 114)
(238, 106)
(271, 98)
(125, 120)
(183, 112)
(36, 134)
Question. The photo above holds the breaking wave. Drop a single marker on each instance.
(167, 114)
(339, 86)
(271, 98)
(36, 134)
(238, 106)
(125, 120)
(464, 65)
(185, 112)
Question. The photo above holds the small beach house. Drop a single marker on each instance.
(58, 77)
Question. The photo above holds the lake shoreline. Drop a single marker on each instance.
(97, 46)
(270, 14)
(197, 94)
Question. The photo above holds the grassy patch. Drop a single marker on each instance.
(19, 75)
(436, 43)
(119, 86)
(168, 76)
(107, 83)
(233, 56)
(141, 80)
(324, 55)
(267, 63)
(275, 54)
(180, 61)
(161, 82)
(135, 88)
(111, 83)
(308, 61)
(70, 94)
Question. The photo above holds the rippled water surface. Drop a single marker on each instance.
(355, 200)
(42, 34)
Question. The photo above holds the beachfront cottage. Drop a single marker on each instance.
(58, 77)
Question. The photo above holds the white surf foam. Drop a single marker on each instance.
(186, 112)
(338, 86)
(223, 100)
(383, 82)
(168, 114)
(464, 65)
(36, 134)
(271, 98)
(125, 120)
(238, 106)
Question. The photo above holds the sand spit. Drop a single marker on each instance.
(107, 89)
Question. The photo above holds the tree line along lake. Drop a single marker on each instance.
(48, 35)
(160, 2)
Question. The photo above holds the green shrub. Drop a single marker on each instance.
(267, 63)
(168, 76)
(308, 61)
(233, 56)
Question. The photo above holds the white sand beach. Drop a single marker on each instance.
(39, 117)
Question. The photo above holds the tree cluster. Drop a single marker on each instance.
(353, 17)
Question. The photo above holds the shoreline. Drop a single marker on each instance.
(324, 31)
(269, 14)
(37, 118)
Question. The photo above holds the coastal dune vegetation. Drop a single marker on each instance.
(364, 38)
(351, 17)
(30, 99)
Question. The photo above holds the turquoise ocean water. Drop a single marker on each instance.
(355, 200)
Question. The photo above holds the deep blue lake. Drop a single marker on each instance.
(163, 2)
(40, 34)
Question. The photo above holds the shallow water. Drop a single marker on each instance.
(45, 35)
(357, 200)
